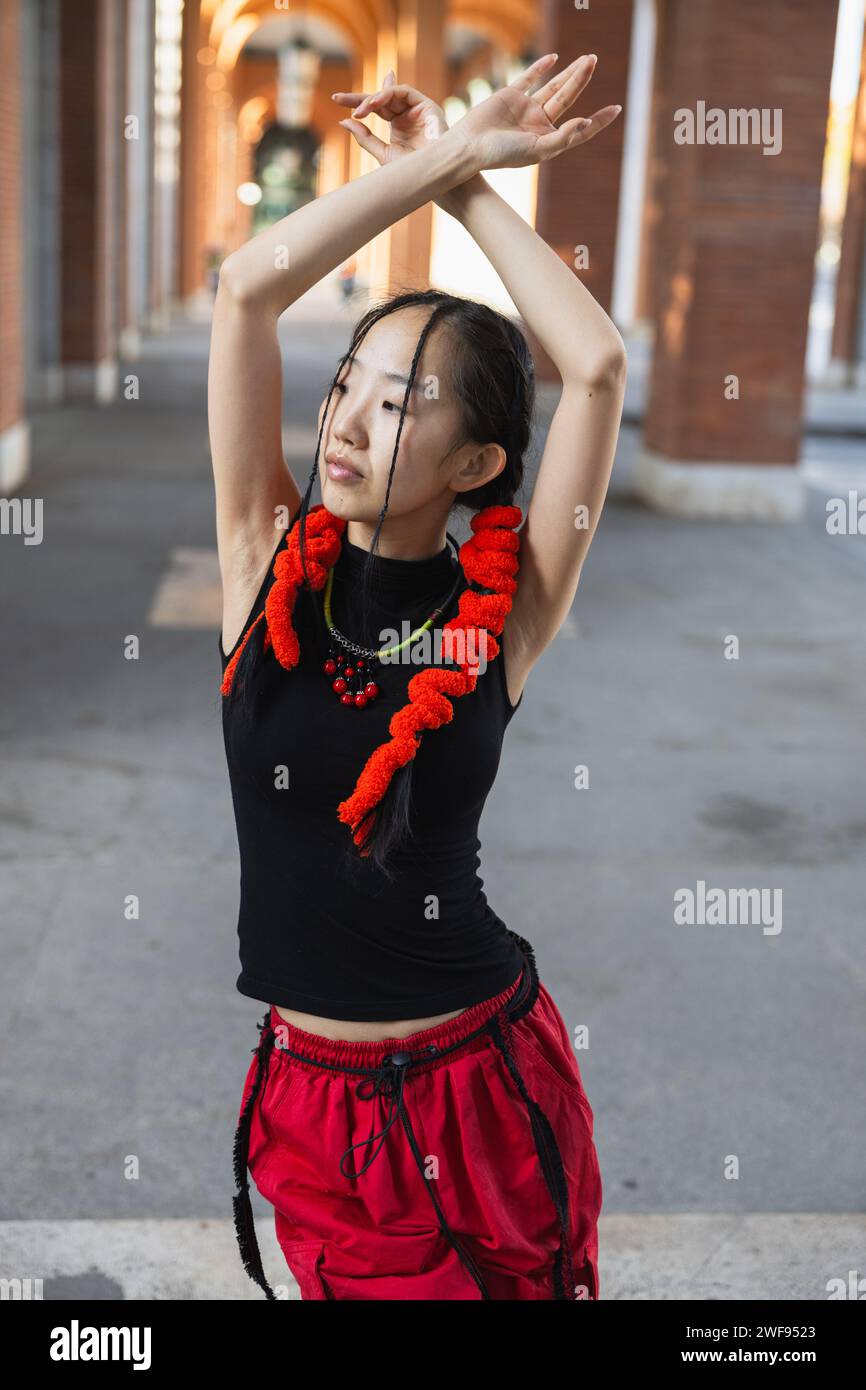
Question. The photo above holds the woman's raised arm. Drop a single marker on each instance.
(573, 476)
(577, 334)
(257, 282)
(267, 274)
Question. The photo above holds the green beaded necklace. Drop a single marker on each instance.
(347, 660)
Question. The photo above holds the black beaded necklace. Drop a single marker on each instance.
(350, 667)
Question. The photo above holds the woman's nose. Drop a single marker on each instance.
(349, 423)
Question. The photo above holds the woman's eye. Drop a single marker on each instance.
(387, 405)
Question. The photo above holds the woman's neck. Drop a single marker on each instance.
(418, 541)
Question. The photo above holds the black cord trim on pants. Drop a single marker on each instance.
(523, 1000)
(551, 1166)
(245, 1230)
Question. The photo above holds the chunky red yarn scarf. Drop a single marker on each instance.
(489, 558)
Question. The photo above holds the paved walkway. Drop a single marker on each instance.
(662, 1256)
(124, 1039)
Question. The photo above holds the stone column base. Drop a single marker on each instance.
(198, 307)
(14, 457)
(91, 382)
(46, 386)
(129, 344)
(720, 491)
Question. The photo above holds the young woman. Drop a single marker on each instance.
(414, 1110)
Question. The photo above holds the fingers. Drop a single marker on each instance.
(595, 123)
(354, 98)
(398, 93)
(561, 92)
(524, 80)
(348, 98)
(380, 102)
(563, 138)
(556, 81)
(366, 139)
(575, 132)
(361, 103)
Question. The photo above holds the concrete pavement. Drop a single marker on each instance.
(124, 1038)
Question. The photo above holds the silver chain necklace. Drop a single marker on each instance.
(346, 666)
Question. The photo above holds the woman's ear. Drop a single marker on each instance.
(477, 464)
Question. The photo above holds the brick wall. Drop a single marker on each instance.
(850, 286)
(79, 184)
(11, 261)
(578, 192)
(736, 243)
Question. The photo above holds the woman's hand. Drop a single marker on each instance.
(510, 129)
(414, 118)
(513, 128)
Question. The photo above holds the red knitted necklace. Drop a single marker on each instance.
(489, 558)
(350, 669)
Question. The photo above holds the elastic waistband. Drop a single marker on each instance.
(346, 1053)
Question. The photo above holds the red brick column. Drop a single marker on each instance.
(656, 171)
(421, 63)
(578, 194)
(849, 323)
(14, 430)
(735, 258)
(121, 81)
(137, 236)
(91, 49)
(193, 236)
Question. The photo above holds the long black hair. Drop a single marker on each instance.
(492, 379)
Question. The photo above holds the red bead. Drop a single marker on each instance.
(360, 665)
(360, 699)
(330, 667)
(371, 690)
(349, 672)
(347, 699)
(339, 685)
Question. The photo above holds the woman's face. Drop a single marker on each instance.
(364, 416)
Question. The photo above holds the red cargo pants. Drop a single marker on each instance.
(457, 1163)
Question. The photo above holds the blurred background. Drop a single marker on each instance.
(140, 142)
(143, 140)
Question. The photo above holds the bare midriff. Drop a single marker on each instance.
(339, 1031)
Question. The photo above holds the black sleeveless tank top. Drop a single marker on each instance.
(326, 932)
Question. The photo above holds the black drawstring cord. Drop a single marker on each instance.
(464, 1256)
(388, 1081)
(245, 1230)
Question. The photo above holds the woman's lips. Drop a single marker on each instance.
(340, 471)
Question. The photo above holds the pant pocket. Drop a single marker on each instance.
(546, 1060)
(305, 1263)
(324, 1273)
(274, 1088)
(586, 1277)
